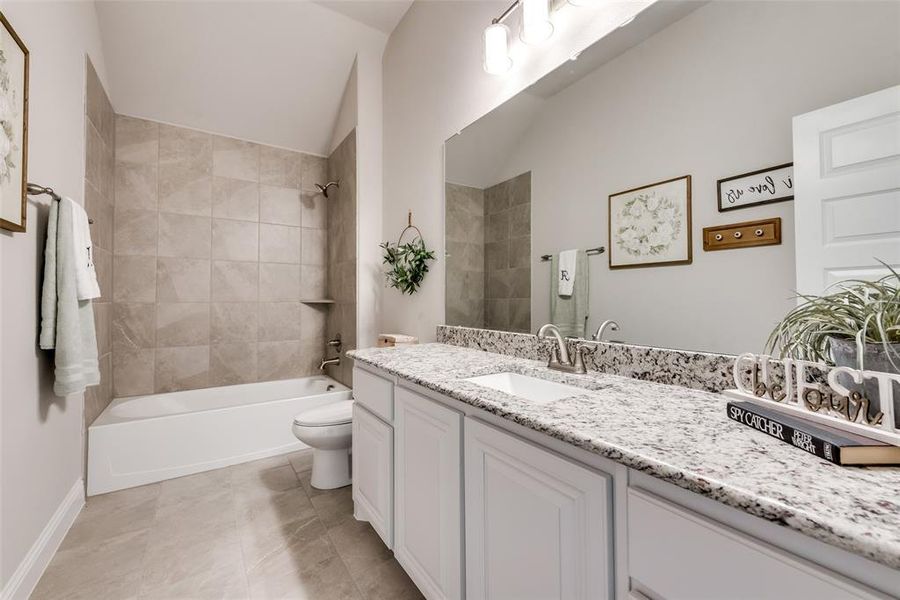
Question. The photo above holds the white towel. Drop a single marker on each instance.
(83, 251)
(67, 323)
(567, 271)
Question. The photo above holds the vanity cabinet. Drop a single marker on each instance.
(537, 525)
(428, 493)
(373, 452)
(373, 466)
(678, 553)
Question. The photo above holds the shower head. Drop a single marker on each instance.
(324, 188)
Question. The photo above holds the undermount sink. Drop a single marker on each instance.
(533, 389)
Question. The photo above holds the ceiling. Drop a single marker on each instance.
(383, 15)
(268, 71)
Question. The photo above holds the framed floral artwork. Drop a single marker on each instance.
(650, 226)
(13, 128)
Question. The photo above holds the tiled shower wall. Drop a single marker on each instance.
(217, 242)
(507, 254)
(464, 295)
(342, 254)
(99, 132)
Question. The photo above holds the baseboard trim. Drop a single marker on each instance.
(29, 571)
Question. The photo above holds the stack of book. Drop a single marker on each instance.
(829, 443)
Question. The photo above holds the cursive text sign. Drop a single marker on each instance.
(774, 184)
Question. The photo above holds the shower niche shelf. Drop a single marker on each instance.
(317, 301)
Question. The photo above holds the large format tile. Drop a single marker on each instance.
(109, 515)
(184, 236)
(133, 372)
(183, 280)
(387, 581)
(233, 322)
(187, 147)
(314, 169)
(136, 185)
(135, 232)
(182, 368)
(315, 247)
(110, 568)
(185, 189)
(314, 210)
(137, 141)
(235, 199)
(279, 321)
(182, 324)
(279, 167)
(133, 326)
(278, 282)
(278, 360)
(280, 206)
(279, 243)
(235, 281)
(233, 363)
(235, 240)
(134, 279)
(359, 546)
(313, 282)
(235, 158)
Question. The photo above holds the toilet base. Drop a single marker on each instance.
(331, 469)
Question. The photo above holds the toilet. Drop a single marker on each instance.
(327, 430)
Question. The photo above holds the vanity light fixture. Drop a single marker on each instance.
(536, 25)
(496, 48)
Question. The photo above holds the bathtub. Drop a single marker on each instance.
(143, 439)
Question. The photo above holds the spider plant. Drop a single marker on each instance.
(866, 313)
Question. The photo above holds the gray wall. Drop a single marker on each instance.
(464, 238)
(341, 316)
(713, 96)
(217, 241)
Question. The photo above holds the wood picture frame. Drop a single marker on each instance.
(14, 59)
(752, 189)
(650, 225)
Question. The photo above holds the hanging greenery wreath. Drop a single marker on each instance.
(407, 263)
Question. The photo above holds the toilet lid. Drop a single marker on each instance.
(335, 413)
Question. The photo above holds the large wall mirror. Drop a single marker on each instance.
(642, 127)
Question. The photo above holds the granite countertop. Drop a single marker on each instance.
(681, 436)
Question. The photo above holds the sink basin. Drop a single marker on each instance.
(533, 389)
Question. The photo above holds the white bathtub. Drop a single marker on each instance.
(142, 439)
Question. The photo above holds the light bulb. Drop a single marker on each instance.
(496, 49)
(536, 25)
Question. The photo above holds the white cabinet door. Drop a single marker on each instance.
(537, 525)
(428, 541)
(373, 462)
(847, 190)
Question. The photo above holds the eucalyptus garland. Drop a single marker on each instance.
(407, 264)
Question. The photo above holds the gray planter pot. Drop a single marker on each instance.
(844, 354)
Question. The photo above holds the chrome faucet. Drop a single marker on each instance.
(559, 354)
(328, 362)
(612, 325)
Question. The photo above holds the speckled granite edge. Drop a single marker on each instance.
(681, 436)
(695, 370)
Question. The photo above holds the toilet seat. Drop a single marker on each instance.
(335, 413)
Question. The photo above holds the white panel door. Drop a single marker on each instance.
(537, 525)
(847, 194)
(428, 492)
(373, 482)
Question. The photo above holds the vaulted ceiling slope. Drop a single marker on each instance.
(268, 71)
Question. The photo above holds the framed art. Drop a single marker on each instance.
(650, 226)
(774, 184)
(13, 128)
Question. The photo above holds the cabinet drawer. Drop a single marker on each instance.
(373, 472)
(674, 553)
(375, 393)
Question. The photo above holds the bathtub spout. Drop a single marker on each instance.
(326, 362)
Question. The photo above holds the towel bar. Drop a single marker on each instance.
(589, 252)
(36, 190)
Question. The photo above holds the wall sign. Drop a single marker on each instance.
(775, 184)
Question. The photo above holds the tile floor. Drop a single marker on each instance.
(257, 530)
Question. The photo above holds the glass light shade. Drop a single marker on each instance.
(536, 25)
(496, 49)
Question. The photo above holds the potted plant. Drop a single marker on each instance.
(407, 264)
(857, 326)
